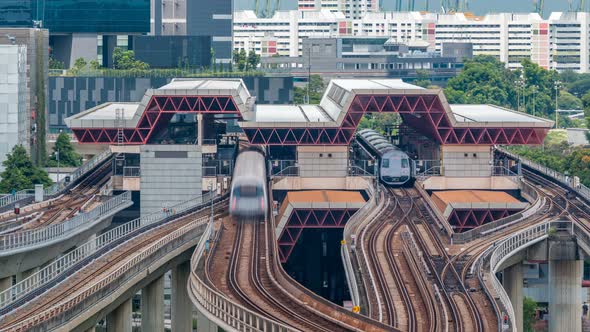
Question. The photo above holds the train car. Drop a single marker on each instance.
(248, 195)
(395, 167)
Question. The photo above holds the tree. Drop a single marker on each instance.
(123, 59)
(20, 173)
(316, 88)
(529, 306)
(253, 60)
(55, 64)
(422, 78)
(68, 157)
(80, 63)
(567, 101)
(484, 79)
(94, 65)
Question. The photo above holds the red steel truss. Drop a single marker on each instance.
(465, 219)
(423, 112)
(158, 113)
(309, 218)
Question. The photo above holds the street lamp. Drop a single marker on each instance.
(534, 90)
(58, 169)
(557, 86)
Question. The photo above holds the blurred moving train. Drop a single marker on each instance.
(395, 167)
(248, 196)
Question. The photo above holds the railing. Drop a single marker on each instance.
(97, 159)
(62, 312)
(507, 248)
(221, 310)
(55, 232)
(288, 171)
(503, 171)
(8, 199)
(433, 171)
(84, 251)
(568, 181)
(363, 167)
(132, 171)
(357, 171)
(278, 167)
(218, 167)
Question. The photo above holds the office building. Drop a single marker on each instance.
(13, 98)
(560, 42)
(35, 43)
(196, 18)
(349, 57)
(354, 9)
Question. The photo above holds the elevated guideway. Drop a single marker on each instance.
(99, 276)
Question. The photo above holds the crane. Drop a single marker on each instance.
(539, 4)
(582, 6)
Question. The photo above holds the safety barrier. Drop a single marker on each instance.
(54, 232)
(568, 181)
(511, 245)
(68, 261)
(9, 199)
(219, 309)
(63, 312)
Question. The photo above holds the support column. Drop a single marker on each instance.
(200, 129)
(120, 319)
(5, 283)
(25, 274)
(565, 290)
(513, 286)
(181, 305)
(204, 324)
(152, 306)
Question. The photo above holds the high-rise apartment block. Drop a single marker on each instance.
(350, 8)
(559, 42)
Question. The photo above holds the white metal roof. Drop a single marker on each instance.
(109, 111)
(490, 113)
(290, 113)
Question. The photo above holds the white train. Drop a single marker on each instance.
(248, 196)
(395, 167)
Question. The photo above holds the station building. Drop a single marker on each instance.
(172, 138)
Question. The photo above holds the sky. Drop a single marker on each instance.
(479, 7)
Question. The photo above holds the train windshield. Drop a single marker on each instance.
(385, 163)
(248, 191)
(405, 163)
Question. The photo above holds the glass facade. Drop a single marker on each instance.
(91, 16)
(15, 13)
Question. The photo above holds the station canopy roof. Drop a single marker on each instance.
(333, 121)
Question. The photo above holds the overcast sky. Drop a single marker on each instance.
(477, 6)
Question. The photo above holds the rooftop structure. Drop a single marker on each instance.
(332, 122)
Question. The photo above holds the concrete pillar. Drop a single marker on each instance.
(25, 274)
(565, 295)
(513, 286)
(152, 306)
(200, 128)
(204, 324)
(181, 305)
(5, 283)
(120, 319)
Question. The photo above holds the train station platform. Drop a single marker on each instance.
(313, 209)
(332, 122)
(467, 209)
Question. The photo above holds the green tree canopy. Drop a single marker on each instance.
(529, 306)
(316, 88)
(68, 157)
(253, 60)
(485, 80)
(567, 101)
(20, 173)
(123, 59)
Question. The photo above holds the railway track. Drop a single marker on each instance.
(63, 207)
(44, 306)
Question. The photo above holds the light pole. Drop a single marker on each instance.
(557, 86)
(58, 169)
(211, 217)
(534, 88)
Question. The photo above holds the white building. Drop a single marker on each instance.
(353, 9)
(560, 42)
(13, 98)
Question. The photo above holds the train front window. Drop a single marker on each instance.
(385, 163)
(405, 163)
(249, 191)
